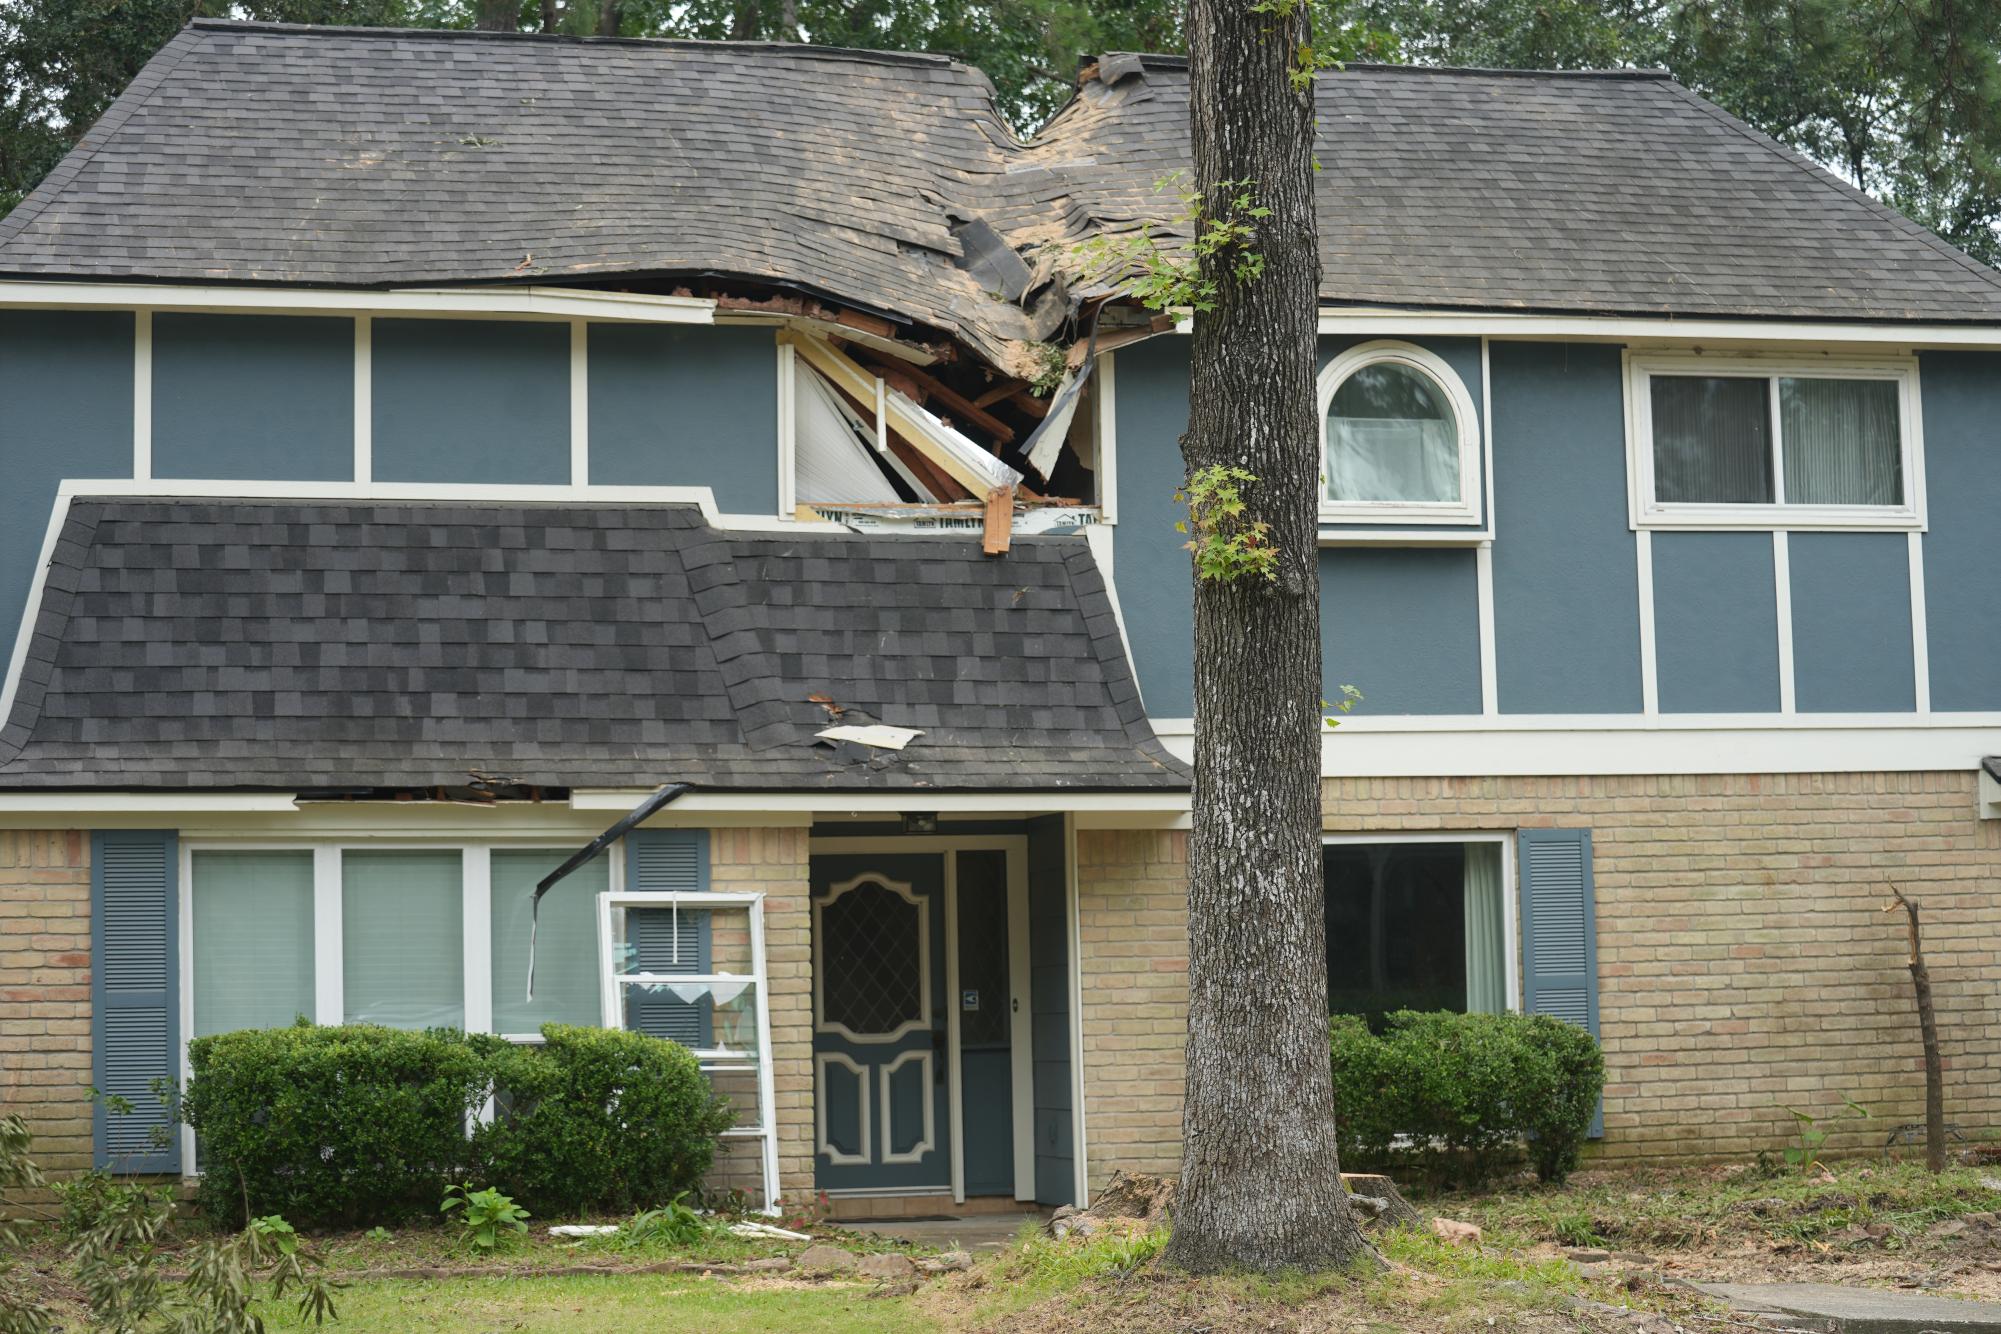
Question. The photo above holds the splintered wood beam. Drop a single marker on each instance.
(999, 392)
(997, 524)
(934, 388)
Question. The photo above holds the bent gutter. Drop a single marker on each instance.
(639, 814)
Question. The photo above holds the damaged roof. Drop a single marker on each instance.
(317, 645)
(259, 153)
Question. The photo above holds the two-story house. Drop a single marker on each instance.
(421, 451)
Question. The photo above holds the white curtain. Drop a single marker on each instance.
(1841, 442)
(1712, 439)
(1486, 944)
(1389, 458)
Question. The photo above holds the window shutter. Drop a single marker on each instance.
(1559, 931)
(135, 1014)
(666, 940)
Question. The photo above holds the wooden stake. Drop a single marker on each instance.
(997, 526)
(1921, 982)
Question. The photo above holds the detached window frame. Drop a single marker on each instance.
(1463, 512)
(1648, 511)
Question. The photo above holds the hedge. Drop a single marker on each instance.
(1459, 1098)
(358, 1125)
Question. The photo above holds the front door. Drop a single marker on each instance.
(879, 1021)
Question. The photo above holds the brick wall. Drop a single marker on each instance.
(1745, 964)
(774, 861)
(45, 991)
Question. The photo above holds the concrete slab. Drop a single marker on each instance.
(1861, 1310)
(975, 1233)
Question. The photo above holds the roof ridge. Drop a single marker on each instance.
(812, 49)
(1163, 60)
(1806, 164)
(135, 94)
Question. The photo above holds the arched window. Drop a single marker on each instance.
(1400, 438)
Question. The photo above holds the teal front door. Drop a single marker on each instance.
(879, 1022)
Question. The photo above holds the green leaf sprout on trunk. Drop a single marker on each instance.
(1228, 546)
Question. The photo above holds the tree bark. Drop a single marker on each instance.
(1260, 1178)
(551, 15)
(608, 18)
(498, 16)
(1921, 983)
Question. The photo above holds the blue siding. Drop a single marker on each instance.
(253, 396)
(1402, 625)
(1463, 356)
(1962, 406)
(1851, 622)
(1716, 623)
(686, 407)
(1149, 565)
(65, 411)
(471, 401)
(1049, 1012)
(1566, 595)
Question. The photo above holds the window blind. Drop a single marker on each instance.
(253, 939)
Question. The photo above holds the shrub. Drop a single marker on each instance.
(361, 1125)
(349, 1125)
(599, 1119)
(1461, 1097)
(488, 1220)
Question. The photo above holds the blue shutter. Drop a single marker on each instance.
(134, 994)
(667, 940)
(1559, 931)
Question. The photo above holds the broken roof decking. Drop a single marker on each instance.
(350, 157)
(311, 645)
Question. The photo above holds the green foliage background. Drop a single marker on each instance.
(1902, 97)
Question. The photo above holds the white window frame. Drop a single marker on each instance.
(1648, 512)
(1390, 351)
(711, 1059)
(1511, 920)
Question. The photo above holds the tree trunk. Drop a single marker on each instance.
(1921, 983)
(788, 21)
(551, 16)
(1260, 1178)
(498, 16)
(608, 18)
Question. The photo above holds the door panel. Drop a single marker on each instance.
(986, 1021)
(879, 1022)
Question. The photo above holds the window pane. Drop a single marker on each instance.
(1841, 442)
(403, 943)
(1391, 435)
(1712, 439)
(1415, 926)
(566, 944)
(253, 946)
(664, 941)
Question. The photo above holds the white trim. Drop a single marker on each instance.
(788, 425)
(1510, 893)
(329, 946)
(1079, 1121)
(184, 946)
(476, 931)
(903, 890)
(916, 1152)
(31, 610)
(1365, 322)
(1989, 800)
(834, 804)
(1782, 588)
(580, 404)
(864, 1097)
(364, 400)
(1490, 677)
(1643, 561)
(1466, 509)
(1105, 441)
(142, 394)
(1644, 510)
(546, 303)
(1487, 432)
(1020, 1024)
(955, 1090)
(146, 803)
(1921, 660)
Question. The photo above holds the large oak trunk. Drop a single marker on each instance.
(1260, 1178)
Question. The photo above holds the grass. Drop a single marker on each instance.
(614, 1304)
(1687, 1209)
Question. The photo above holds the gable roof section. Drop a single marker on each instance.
(249, 153)
(1582, 193)
(301, 645)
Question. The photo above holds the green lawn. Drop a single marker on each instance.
(608, 1305)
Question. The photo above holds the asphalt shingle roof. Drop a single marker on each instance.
(298, 645)
(354, 157)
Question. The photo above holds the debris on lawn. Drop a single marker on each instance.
(1455, 1233)
(583, 1229)
(750, 1229)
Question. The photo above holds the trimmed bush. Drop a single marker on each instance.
(349, 1125)
(359, 1125)
(599, 1119)
(1459, 1098)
